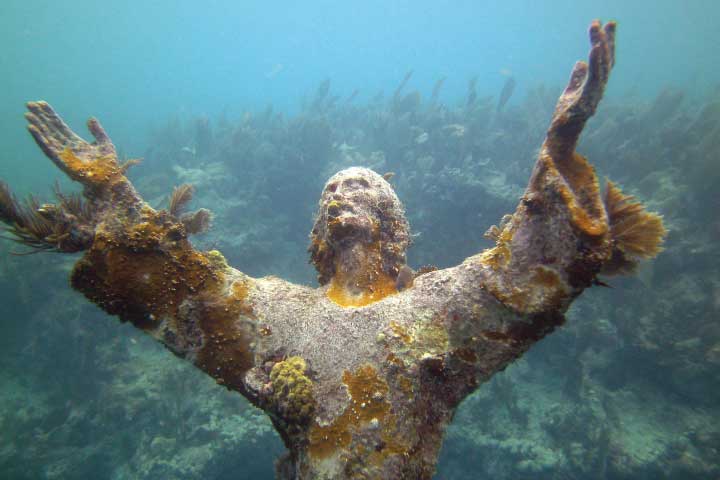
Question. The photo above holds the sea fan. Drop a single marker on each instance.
(197, 222)
(636, 233)
(179, 199)
(63, 227)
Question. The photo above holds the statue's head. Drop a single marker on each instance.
(358, 211)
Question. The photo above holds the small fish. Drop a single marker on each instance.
(422, 138)
(344, 147)
(190, 150)
(352, 96)
(272, 73)
(425, 269)
(387, 176)
(600, 283)
(506, 93)
(455, 129)
(405, 278)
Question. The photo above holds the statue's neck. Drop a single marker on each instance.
(360, 278)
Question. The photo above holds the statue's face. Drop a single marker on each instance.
(359, 207)
(350, 216)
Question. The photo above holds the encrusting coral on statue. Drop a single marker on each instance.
(361, 375)
(292, 390)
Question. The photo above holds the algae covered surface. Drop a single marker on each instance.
(256, 105)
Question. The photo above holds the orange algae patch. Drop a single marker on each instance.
(406, 386)
(382, 287)
(545, 278)
(550, 290)
(101, 171)
(500, 254)
(581, 193)
(368, 392)
(150, 275)
(546, 291)
(325, 441)
(368, 403)
(226, 354)
(394, 360)
(372, 284)
(400, 332)
(133, 277)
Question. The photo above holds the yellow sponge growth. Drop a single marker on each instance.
(292, 390)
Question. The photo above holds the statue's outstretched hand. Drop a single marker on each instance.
(94, 165)
(557, 240)
(68, 225)
(584, 90)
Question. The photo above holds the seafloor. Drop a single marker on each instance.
(629, 388)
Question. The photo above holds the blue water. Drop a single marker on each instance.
(629, 389)
(133, 63)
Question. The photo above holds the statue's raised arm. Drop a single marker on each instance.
(361, 375)
(564, 232)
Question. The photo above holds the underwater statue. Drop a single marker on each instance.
(361, 375)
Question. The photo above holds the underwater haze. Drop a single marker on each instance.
(256, 104)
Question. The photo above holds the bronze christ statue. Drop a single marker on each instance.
(362, 374)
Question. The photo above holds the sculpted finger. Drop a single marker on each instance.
(98, 132)
(48, 121)
(599, 61)
(43, 135)
(49, 146)
(597, 34)
(602, 54)
(41, 141)
(39, 125)
(610, 28)
(583, 92)
(57, 125)
(577, 77)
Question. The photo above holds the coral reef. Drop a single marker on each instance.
(532, 423)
